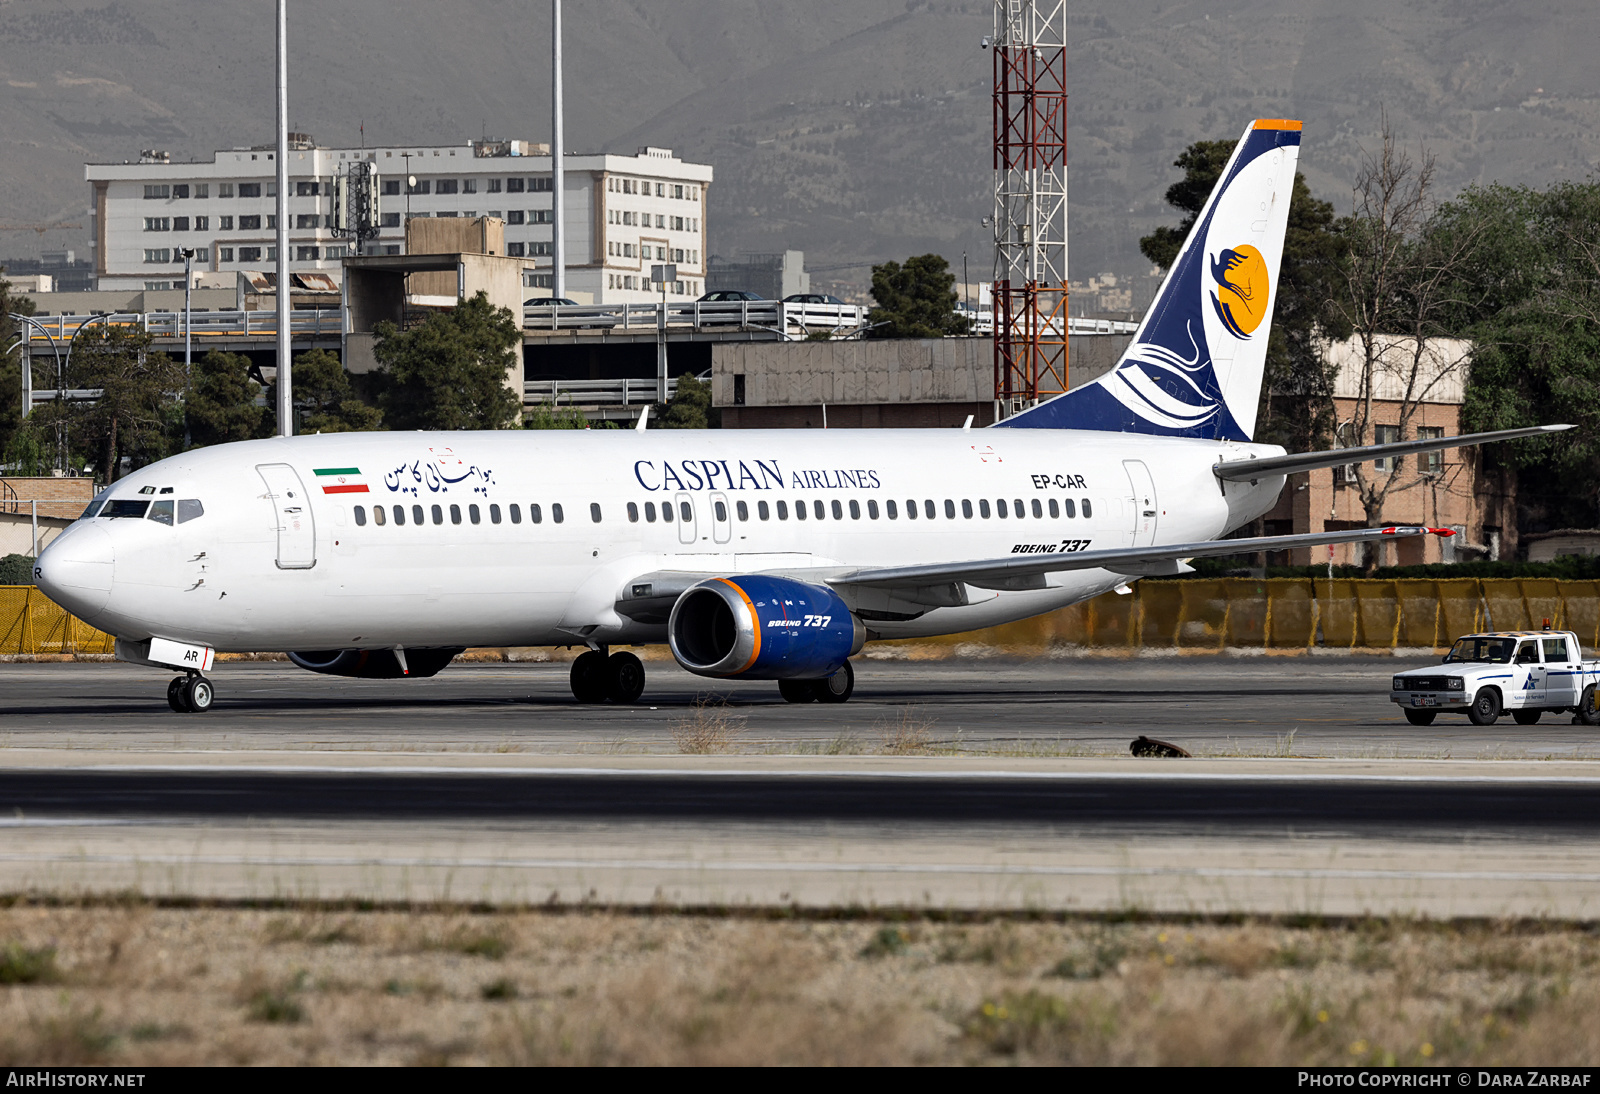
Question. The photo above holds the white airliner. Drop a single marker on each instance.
(767, 554)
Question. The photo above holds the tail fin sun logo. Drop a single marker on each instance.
(1243, 286)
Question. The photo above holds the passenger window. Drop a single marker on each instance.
(891, 510)
(872, 508)
(378, 515)
(438, 515)
(783, 510)
(1087, 511)
(1528, 653)
(494, 514)
(190, 509)
(535, 514)
(1066, 504)
(684, 511)
(949, 509)
(855, 510)
(1555, 649)
(838, 510)
(966, 508)
(720, 509)
(633, 512)
(1000, 508)
(799, 511)
(650, 512)
(928, 509)
(361, 516)
(594, 511)
(556, 515)
(983, 508)
(666, 512)
(1018, 509)
(161, 512)
(399, 514)
(817, 510)
(764, 511)
(416, 515)
(516, 514)
(455, 514)
(1038, 510)
(474, 515)
(742, 509)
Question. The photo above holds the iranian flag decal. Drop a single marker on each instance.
(341, 480)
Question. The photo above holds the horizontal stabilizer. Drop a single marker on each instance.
(1011, 572)
(1272, 466)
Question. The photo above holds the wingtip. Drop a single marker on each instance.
(1442, 531)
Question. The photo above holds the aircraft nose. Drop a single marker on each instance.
(77, 569)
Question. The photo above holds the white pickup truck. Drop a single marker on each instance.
(1528, 673)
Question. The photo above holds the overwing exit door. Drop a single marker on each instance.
(291, 509)
(1144, 502)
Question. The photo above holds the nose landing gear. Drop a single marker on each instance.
(190, 694)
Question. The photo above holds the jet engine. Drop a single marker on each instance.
(421, 661)
(763, 628)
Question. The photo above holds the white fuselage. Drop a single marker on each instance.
(263, 571)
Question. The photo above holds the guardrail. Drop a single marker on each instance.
(982, 323)
(203, 324)
(774, 316)
(625, 392)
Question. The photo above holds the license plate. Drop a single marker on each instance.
(1424, 701)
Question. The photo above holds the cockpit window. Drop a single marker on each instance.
(93, 510)
(125, 507)
(189, 509)
(161, 511)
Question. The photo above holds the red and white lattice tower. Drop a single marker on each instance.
(1030, 202)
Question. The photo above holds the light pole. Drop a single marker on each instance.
(558, 201)
(285, 383)
(188, 381)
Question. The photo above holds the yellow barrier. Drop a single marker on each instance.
(1202, 614)
(31, 623)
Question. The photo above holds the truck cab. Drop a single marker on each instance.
(1529, 673)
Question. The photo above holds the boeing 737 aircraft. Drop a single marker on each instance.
(766, 554)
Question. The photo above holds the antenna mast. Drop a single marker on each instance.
(1030, 202)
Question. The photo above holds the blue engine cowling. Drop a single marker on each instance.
(421, 661)
(764, 628)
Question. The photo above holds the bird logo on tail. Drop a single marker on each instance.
(1243, 286)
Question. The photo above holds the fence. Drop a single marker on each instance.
(1273, 613)
(30, 623)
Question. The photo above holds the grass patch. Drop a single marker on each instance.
(499, 990)
(907, 733)
(20, 964)
(889, 941)
(708, 727)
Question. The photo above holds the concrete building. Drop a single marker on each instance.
(623, 213)
(773, 276)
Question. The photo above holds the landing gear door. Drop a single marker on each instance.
(291, 510)
(1144, 502)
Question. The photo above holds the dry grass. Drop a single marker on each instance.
(135, 984)
(906, 733)
(708, 727)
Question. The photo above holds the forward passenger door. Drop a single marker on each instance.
(291, 510)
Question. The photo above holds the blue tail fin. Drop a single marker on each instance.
(1194, 367)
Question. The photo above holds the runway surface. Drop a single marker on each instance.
(1213, 706)
(1309, 794)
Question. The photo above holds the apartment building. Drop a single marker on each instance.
(623, 213)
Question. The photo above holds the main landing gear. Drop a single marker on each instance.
(598, 676)
(832, 689)
(190, 694)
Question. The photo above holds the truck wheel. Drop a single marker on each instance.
(1526, 717)
(1485, 710)
(1587, 715)
(1420, 717)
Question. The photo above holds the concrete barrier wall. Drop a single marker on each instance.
(1275, 614)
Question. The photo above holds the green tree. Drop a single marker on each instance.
(221, 401)
(1297, 386)
(326, 400)
(10, 368)
(548, 415)
(138, 415)
(450, 372)
(690, 407)
(917, 300)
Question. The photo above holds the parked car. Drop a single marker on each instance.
(722, 307)
(729, 296)
(1528, 673)
(551, 312)
(813, 298)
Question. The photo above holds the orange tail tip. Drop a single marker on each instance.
(1277, 123)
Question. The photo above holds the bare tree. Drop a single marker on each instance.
(1402, 289)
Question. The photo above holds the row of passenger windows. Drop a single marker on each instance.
(1066, 507)
(474, 514)
(891, 509)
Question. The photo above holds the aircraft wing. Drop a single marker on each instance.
(1020, 572)
(1271, 466)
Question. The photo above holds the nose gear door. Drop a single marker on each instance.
(291, 510)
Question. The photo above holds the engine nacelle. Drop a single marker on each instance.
(764, 628)
(422, 661)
